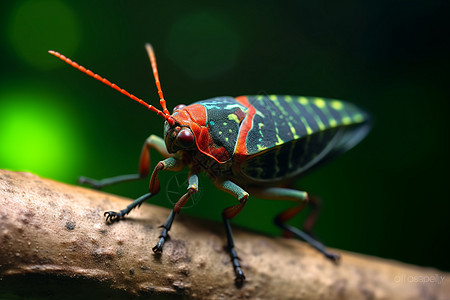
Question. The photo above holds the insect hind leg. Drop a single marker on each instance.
(315, 205)
(301, 197)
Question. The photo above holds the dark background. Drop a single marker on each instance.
(386, 197)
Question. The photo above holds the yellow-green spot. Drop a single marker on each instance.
(337, 105)
(260, 147)
(288, 98)
(319, 123)
(303, 100)
(273, 97)
(226, 139)
(279, 140)
(333, 123)
(230, 131)
(260, 114)
(294, 133)
(346, 120)
(233, 117)
(305, 123)
(320, 102)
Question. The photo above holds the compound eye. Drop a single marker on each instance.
(185, 138)
(179, 106)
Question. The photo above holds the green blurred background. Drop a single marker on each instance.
(386, 197)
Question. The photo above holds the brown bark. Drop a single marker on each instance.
(54, 236)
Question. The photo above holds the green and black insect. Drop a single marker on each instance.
(254, 145)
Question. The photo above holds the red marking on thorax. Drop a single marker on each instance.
(197, 112)
(241, 147)
(194, 116)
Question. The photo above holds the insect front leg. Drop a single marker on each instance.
(229, 213)
(152, 142)
(164, 236)
(276, 193)
(170, 163)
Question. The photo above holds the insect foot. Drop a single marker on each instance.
(240, 277)
(158, 248)
(91, 182)
(113, 216)
(334, 257)
(163, 237)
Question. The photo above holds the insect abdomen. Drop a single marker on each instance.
(291, 134)
(280, 119)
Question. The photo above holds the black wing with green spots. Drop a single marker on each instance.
(292, 134)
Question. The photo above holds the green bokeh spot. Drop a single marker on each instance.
(40, 25)
(204, 44)
(37, 135)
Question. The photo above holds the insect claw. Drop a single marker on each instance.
(113, 216)
(157, 249)
(334, 257)
(240, 278)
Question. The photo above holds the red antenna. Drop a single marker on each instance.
(151, 55)
(164, 113)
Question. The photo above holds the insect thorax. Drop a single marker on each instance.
(214, 169)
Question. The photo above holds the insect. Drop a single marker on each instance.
(254, 145)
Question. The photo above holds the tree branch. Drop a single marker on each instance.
(54, 236)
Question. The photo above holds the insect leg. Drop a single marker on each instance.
(164, 236)
(152, 141)
(302, 199)
(113, 216)
(170, 163)
(227, 214)
(315, 205)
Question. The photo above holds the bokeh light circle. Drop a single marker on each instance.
(38, 134)
(36, 26)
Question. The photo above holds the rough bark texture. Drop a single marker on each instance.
(54, 238)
